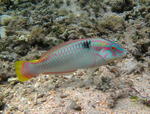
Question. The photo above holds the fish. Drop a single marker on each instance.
(70, 56)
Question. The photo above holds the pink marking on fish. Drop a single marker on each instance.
(111, 44)
(57, 63)
(98, 55)
(107, 44)
(23, 71)
(105, 55)
(101, 41)
(119, 51)
(94, 62)
(113, 53)
(108, 48)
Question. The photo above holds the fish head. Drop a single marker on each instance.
(112, 51)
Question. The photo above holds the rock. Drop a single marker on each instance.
(75, 106)
(114, 96)
(2, 33)
(111, 22)
(104, 84)
(17, 2)
(5, 55)
(5, 20)
(3, 76)
(25, 5)
(25, 12)
(40, 95)
(147, 20)
(21, 50)
(64, 96)
(51, 41)
(83, 3)
(121, 5)
(113, 69)
(13, 80)
(1, 99)
(68, 2)
(58, 3)
(73, 36)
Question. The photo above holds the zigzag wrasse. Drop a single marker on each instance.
(70, 56)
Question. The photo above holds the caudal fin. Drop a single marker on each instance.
(18, 67)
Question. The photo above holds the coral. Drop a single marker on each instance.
(113, 23)
(25, 12)
(121, 5)
(68, 2)
(33, 54)
(114, 96)
(82, 3)
(2, 33)
(73, 36)
(58, 3)
(52, 41)
(29, 28)
(21, 49)
(61, 12)
(7, 70)
(5, 55)
(145, 2)
(104, 84)
(21, 23)
(58, 30)
(5, 20)
(147, 20)
(137, 36)
(6, 3)
(1, 99)
(36, 35)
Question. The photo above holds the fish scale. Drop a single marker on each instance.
(70, 56)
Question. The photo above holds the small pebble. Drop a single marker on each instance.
(64, 96)
(75, 106)
(40, 95)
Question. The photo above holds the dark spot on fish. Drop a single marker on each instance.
(86, 44)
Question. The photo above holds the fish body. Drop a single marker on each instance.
(70, 56)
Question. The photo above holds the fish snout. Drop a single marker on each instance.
(123, 55)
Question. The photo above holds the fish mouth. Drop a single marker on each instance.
(123, 55)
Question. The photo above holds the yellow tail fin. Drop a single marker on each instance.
(18, 67)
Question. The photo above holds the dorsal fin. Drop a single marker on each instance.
(59, 46)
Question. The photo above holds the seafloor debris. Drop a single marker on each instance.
(28, 28)
(1, 99)
(75, 106)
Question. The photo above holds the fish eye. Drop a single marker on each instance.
(113, 48)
